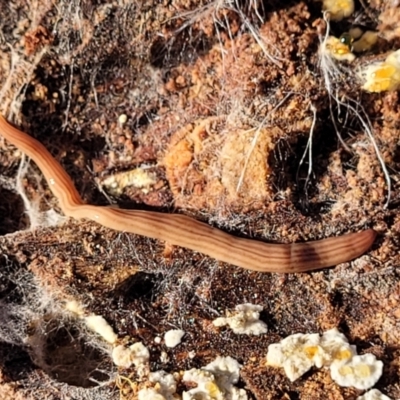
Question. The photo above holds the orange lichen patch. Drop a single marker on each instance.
(36, 39)
(184, 169)
(245, 172)
(214, 162)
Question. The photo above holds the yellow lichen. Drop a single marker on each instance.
(311, 351)
(338, 9)
(337, 49)
(345, 370)
(382, 76)
(342, 355)
(213, 390)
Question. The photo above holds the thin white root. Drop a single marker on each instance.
(308, 149)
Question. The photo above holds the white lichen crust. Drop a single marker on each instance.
(336, 348)
(215, 381)
(295, 354)
(298, 353)
(164, 389)
(137, 354)
(361, 372)
(150, 394)
(99, 325)
(244, 320)
(173, 337)
(373, 394)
